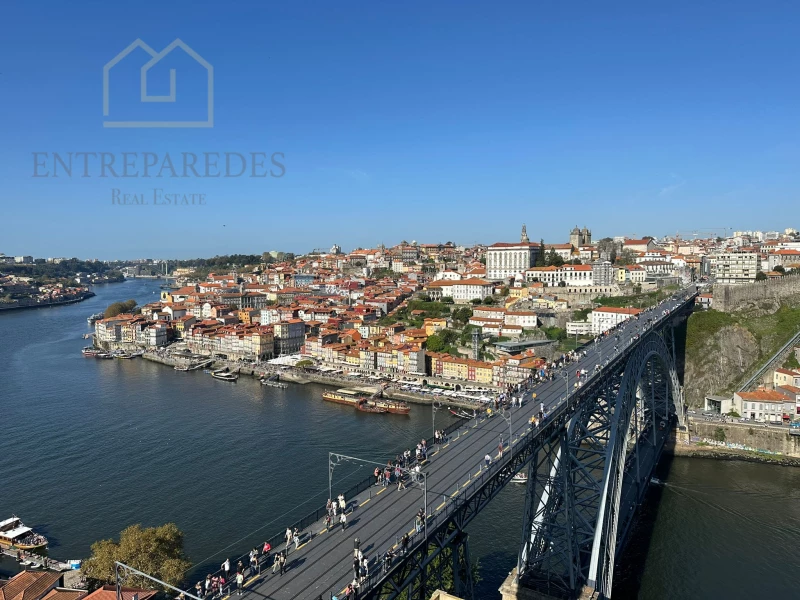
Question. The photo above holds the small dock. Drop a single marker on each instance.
(32, 560)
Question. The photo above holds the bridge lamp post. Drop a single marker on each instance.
(566, 383)
(507, 418)
(436, 405)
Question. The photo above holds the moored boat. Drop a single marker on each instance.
(14, 534)
(348, 397)
(90, 351)
(95, 317)
(394, 407)
(224, 375)
(371, 407)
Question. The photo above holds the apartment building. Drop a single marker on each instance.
(737, 267)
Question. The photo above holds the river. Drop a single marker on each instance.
(91, 446)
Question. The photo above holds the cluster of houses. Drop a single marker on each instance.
(774, 404)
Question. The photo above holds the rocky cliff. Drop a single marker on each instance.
(724, 349)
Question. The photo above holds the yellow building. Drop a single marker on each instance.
(432, 326)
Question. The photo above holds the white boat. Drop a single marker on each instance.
(520, 478)
(15, 535)
(225, 376)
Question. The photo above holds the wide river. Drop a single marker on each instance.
(89, 446)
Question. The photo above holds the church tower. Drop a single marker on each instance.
(524, 237)
(586, 236)
(575, 237)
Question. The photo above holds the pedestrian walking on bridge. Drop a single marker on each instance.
(343, 521)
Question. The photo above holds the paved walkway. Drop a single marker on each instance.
(380, 516)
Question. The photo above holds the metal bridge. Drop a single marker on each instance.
(588, 464)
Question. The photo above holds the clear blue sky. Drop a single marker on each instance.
(431, 121)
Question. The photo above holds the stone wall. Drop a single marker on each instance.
(747, 437)
(761, 297)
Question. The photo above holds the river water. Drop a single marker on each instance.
(89, 446)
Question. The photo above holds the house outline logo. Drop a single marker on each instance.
(144, 97)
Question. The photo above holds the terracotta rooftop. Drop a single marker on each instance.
(29, 585)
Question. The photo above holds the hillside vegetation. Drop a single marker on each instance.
(723, 350)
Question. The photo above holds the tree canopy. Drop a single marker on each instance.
(760, 276)
(117, 308)
(157, 551)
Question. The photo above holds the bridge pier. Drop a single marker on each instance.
(511, 590)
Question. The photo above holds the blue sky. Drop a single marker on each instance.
(431, 121)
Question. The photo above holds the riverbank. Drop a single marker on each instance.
(707, 450)
(80, 298)
(301, 377)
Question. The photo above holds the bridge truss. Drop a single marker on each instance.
(588, 468)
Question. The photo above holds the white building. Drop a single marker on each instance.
(737, 267)
(505, 260)
(579, 327)
(566, 274)
(762, 405)
(606, 317)
(461, 291)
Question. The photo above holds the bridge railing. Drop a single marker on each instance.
(453, 502)
(563, 407)
(309, 519)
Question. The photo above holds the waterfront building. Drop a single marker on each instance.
(289, 336)
(762, 405)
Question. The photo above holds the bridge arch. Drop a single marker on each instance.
(583, 481)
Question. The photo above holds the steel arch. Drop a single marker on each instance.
(572, 514)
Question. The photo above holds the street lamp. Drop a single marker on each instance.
(436, 405)
(566, 382)
(507, 419)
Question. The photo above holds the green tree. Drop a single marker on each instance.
(554, 258)
(117, 308)
(780, 269)
(627, 257)
(719, 434)
(475, 301)
(157, 551)
(540, 258)
(462, 314)
(488, 300)
(447, 299)
(760, 276)
(435, 343)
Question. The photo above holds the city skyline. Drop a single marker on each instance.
(449, 122)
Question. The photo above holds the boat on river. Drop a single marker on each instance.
(14, 534)
(394, 407)
(95, 317)
(370, 406)
(90, 351)
(520, 478)
(343, 396)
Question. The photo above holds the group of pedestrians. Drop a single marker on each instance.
(336, 513)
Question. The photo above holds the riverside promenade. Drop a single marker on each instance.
(303, 376)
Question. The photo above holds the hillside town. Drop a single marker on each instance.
(492, 315)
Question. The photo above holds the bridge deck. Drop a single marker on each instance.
(379, 517)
